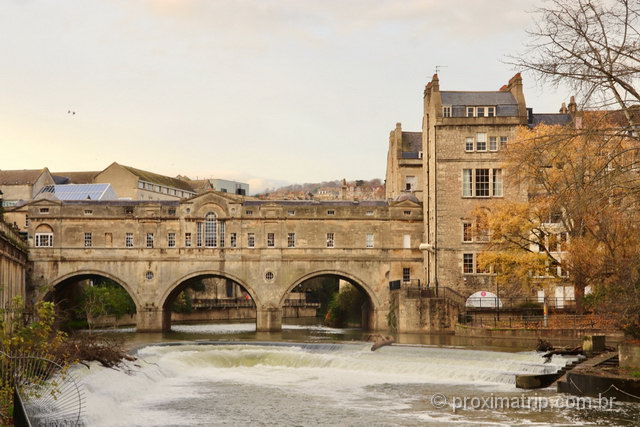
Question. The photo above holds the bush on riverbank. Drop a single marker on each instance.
(345, 308)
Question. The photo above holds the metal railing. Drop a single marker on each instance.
(552, 321)
(518, 303)
(205, 303)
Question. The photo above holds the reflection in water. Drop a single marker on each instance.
(306, 330)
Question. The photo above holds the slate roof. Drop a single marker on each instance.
(155, 178)
(550, 119)
(412, 141)
(85, 177)
(20, 177)
(477, 98)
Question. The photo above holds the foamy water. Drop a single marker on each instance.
(306, 384)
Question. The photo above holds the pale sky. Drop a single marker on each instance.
(264, 91)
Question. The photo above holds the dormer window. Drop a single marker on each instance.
(446, 111)
(481, 111)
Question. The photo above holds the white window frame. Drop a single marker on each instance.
(128, 240)
(251, 240)
(331, 240)
(271, 240)
(470, 181)
(493, 143)
(469, 144)
(481, 138)
(291, 212)
(171, 239)
(331, 212)
(497, 183)
(472, 256)
(291, 240)
(233, 240)
(150, 240)
(44, 240)
(446, 111)
(188, 240)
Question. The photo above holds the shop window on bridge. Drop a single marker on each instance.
(128, 240)
(331, 243)
(88, 240)
(44, 240)
(221, 232)
(150, 239)
(44, 236)
(210, 230)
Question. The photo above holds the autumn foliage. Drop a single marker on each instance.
(577, 222)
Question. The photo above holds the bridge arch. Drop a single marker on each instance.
(170, 294)
(175, 288)
(337, 273)
(370, 309)
(53, 284)
(67, 292)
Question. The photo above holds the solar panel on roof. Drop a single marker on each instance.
(81, 191)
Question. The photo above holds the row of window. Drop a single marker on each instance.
(482, 143)
(480, 111)
(164, 190)
(470, 266)
(292, 212)
(46, 240)
(482, 183)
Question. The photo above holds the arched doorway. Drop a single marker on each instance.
(208, 297)
(336, 299)
(92, 300)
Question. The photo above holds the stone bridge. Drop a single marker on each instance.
(153, 248)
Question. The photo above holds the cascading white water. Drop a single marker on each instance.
(295, 384)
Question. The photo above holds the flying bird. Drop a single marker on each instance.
(71, 112)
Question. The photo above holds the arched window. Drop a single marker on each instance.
(44, 236)
(210, 230)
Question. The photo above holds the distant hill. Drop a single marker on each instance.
(327, 190)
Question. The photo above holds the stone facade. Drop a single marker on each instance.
(13, 266)
(459, 168)
(404, 164)
(166, 248)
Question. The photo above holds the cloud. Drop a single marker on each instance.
(312, 20)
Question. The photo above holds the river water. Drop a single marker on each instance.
(227, 374)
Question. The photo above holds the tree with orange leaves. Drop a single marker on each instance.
(580, 223)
